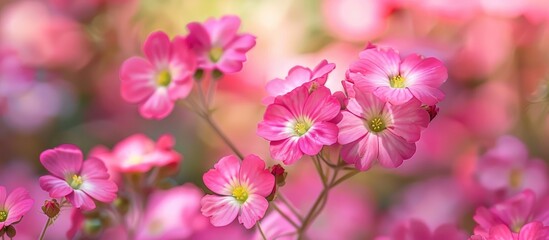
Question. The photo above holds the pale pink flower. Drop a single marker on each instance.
(415, 229)
(298, 76)
(172, 214)
(242, 190)
(506, 169)
(382, 72)
(299, 123)
(78, 181)
(516, 218)
(157, 82)
(372, 129)
(13, 206)
(138, 153)
(217, 44)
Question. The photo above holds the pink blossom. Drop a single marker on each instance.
(172, 214)
(138, 153)
(217, 44)
(299, 123)
(298, 76)
(372, 129)
(515, 218)
(13, 206)
(382, 72)
(157, 82)
(80, 182)
(506, 169)
(415, 229)
(242, 190)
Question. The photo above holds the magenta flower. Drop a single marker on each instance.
(415, 229)
(157, 82)
(13, 206)
(383, 73)
(299, 123)
(506, 169)
(218, 46)
(80, 182)
(372, 129)
(516, 218)
(243, 189)
(298, 76)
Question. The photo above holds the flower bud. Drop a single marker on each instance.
(432, 110)
(10, 231)
(280, 174)
(51, 208)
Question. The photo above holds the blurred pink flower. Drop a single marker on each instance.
(516, 218)
(217, 44)
(415, 229)
(243, 188)
(299, 122)
(298, 76)
(13, 206)
(138, 153)
(157, 82)
(80, 182)
(372, 129)
(172, 214)
(382, 72)
(506, 169)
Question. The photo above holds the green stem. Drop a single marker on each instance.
(48, 223)
(261, 231)
(288, 219)
(290, 206)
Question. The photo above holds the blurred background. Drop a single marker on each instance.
(59, 63)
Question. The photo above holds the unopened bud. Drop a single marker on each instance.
(10, 231)
(198, 74)
(280, 174)
(51, 208)
(216, 74)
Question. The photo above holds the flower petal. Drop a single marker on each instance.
(361, 152)
(79, 199)
(427, 95)
(394, 149)
(137, 79)
(55, 186)
(320, 134)
(3, 195)
(408, 120)
(395, 96)
(252, 210)
(254, 175)
(221, 210)
(286, 150)
(321, 105)
(274, 125)
(158, 106)
(16, 196)
(351, 128)
(157, 48)
(94, 169)
(224, 176)
(62, 160)
(423, 71)
(294, 100)
(103, 190)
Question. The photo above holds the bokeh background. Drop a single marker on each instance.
(59, 63)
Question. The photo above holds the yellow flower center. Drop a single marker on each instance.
(76, 181)
(163, 79)
(215, 53)
(515, 178)
(3, 216)
(301, 126)
(397, 82)
(240, 193)
(376, 124)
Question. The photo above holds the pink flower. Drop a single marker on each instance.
(80, 182)
(383, 73)
(243, 189)
(172, 214)
(157, 82)
(300, 123)
(506, 169)
(415, 229)
(13, 206)
(138, 153)
(217, 44)
(372, 129)
(298, 76)
(515, 218)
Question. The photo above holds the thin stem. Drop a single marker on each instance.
(320, 171)
(345, 177)
(290, 206)
(309, 216)
(211, 90)
(48, 222)
(288, 219)
(261, 231)
(225, 139)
